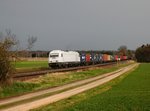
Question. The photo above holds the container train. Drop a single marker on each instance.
(62, 59)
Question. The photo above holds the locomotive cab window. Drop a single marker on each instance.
(61, 55)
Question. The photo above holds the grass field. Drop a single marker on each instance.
(52, 80)
(31, 64)
(130, 92)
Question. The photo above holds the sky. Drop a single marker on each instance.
(78, 24)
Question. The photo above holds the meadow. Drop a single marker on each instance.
(130, 92)
(30, 64)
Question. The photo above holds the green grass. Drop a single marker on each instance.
(57, 80)
(17, 88)
(130, 92)
(31, 64)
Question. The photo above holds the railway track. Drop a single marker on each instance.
(38, 73)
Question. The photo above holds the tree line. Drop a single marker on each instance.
(142, 53)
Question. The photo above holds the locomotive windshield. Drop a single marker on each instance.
(54, 55)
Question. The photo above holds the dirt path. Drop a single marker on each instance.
(95, 82)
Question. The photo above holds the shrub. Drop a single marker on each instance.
(142, 53)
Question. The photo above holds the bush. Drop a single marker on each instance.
(142, 53)
(6, 69)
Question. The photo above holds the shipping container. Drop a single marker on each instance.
(96, 58)
(105, 57)
(92, 57)
(121, 58)
(124, 57)
(111, 58)
(88, 58)
(116, 57)
(82, 57)
(108, 58)
(100, 57)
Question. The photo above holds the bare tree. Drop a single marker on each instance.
(31, 41)
(122, 50)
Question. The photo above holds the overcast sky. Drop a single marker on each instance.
(78, 24)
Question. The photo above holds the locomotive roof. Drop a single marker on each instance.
(60, 51)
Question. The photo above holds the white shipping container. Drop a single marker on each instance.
(109, 58)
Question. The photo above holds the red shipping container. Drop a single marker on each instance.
(88, 57)
(124, 57)
(116, 57)
(121, 57)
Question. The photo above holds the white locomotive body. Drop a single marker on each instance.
(58, 58)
